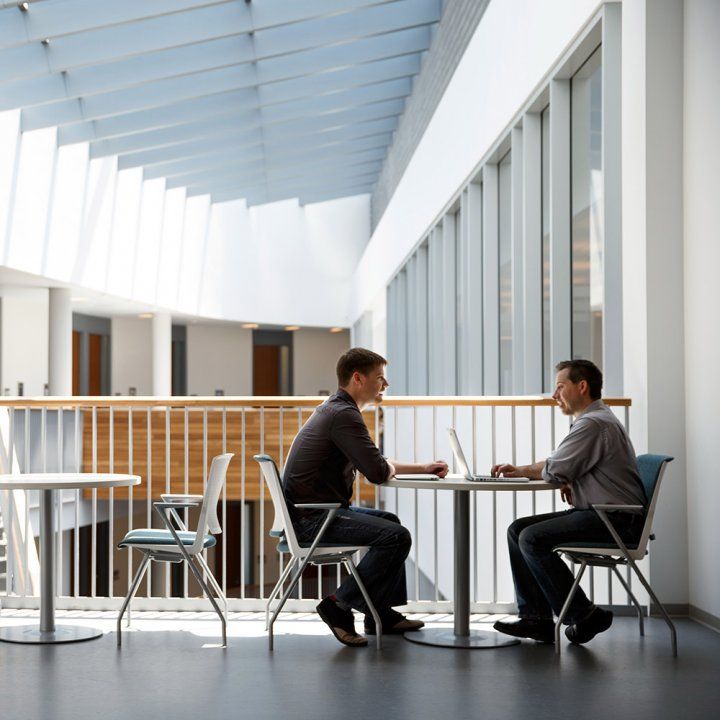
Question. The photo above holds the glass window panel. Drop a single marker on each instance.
(545, 192)
(587, 211)
(505, 278)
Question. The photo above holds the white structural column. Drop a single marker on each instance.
(560, 214)
(60, 342)
(652, 224)
(532, 253)
(612, 200)
(518, 276)
(162, 355)
(491, 285)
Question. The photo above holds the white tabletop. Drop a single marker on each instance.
(64, 481)
(458, 482)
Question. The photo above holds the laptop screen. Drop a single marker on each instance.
(459, 454)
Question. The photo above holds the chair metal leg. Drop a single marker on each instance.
(133, 589)
(211, 598)
(214, 583)
(625, 584)
(670, 624)
(277, 589)
(566, 605)
(378, 623)
(285, 595)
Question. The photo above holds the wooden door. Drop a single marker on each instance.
(76, 363)
(94, 364)
(266, 370)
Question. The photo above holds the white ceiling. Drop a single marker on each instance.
(262, 99)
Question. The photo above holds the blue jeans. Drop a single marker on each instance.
(542, 579)
(382, 570)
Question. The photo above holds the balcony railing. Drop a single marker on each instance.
(170, 442)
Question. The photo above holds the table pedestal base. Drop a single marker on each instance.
(445, 637)
(31, 634)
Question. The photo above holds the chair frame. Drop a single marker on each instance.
(619, 555)
(301, 556)
(207, 523)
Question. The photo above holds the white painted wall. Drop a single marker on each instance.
(652, 126)
(24, 339)
(219, 357)
(131, 355)
(315, 355)
(504, 62)
(702, 296)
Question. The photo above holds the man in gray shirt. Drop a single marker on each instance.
(595, 463)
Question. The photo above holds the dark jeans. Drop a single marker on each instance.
(382, 570)
(542, 579)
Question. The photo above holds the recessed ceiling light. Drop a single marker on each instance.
(145, 316)
(292, 327)
(81, 299)
(336, 329)
(24, 6)
(250, 326)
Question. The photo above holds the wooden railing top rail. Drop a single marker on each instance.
(224, 401)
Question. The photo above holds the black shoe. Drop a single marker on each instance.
(541, 630)
(341, 623)
(596, 622)
(393, 623)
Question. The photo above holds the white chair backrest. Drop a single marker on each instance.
(208, 520)
(283, 521)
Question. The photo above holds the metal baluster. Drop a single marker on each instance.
(76, 529)
(130, 509)
(205, 476)
(93, 527)
(513, 440)
(417, 510)
(167, 569)
(59, 523)
(474, 507)
(12, 551)
(493, 436)
(532, 455)
(242, 501)
(377, 441)
(186, 485)
(223, 538)
(435, 509)
(148, 494)
(281, 459)
(262, 509)
(552, 448)
(28, 530)
(111, 501)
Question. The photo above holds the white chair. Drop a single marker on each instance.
(177, 544)
(316, 553)
(651, 468)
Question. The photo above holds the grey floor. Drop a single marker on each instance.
(171, 667)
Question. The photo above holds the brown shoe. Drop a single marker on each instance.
(341, 623)
(393, 623)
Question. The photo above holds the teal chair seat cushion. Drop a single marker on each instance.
(151, 536)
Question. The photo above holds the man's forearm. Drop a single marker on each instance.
(534, 471)
(402, 468)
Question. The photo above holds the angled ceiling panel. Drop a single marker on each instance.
(271, 98)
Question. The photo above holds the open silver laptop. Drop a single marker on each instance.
(465, 470)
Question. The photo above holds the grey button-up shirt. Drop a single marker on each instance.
(597, 460)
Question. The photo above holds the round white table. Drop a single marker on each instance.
(48, 484)
(461, 636)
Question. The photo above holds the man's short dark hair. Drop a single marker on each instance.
(357, 360)
(584, 370)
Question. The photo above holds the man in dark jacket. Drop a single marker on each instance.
(320, 468)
